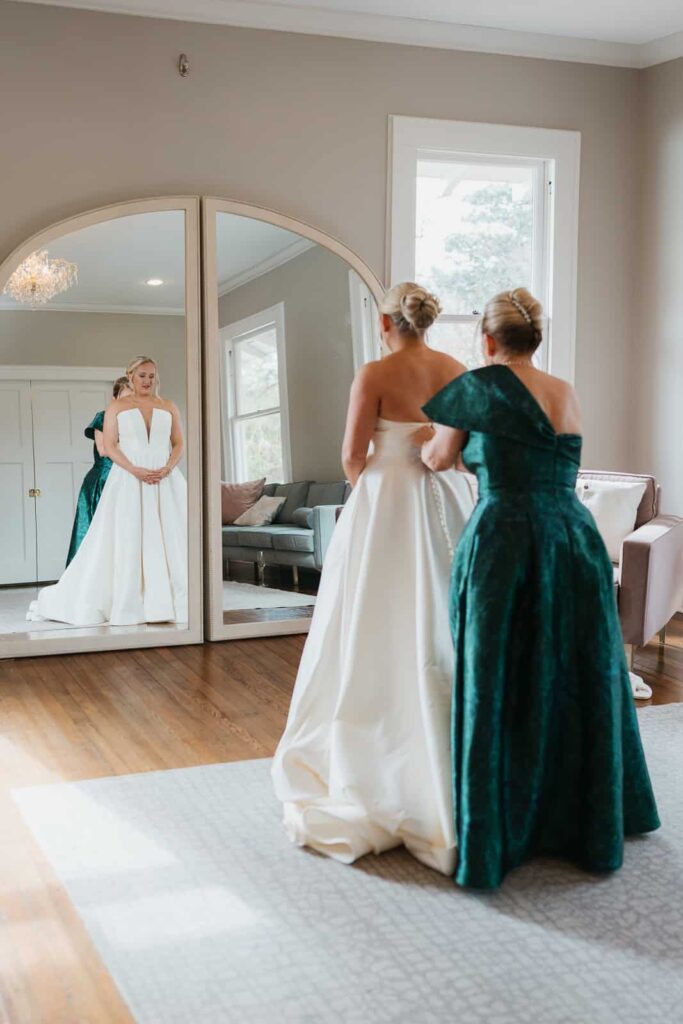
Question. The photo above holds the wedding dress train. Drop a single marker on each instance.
(364, 763)
(131, 566)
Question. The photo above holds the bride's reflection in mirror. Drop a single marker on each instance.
(94, 503)
(294, 323)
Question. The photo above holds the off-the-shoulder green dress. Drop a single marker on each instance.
(547, 755)
(91, 488)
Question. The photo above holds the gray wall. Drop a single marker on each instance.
(299, 123)
(61, 338)
(315, 290)
(655, 404)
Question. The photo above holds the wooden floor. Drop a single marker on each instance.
(88, 715)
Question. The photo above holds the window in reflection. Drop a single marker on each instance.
(255, 364)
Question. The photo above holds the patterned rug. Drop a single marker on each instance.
(204, 914)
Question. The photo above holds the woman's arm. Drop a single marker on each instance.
(361, 420)
(99, 443)
(110, 436)
(177, 445)
(442, 450)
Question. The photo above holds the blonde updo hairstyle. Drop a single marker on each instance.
(514, 320)
(135, 363)
(412, 308)
(120, 384)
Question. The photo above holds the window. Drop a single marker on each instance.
(478, 209)
(256, 432)
(364, 326)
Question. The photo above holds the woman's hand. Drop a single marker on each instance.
(145, 476)
(422, 435)
(155, 476)
(442, 449)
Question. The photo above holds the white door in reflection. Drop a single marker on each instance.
(63, 455)
(255, 381)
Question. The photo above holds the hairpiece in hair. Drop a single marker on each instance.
(522, 309)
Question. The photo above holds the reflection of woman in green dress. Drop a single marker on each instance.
(546, 748)
(95, 478)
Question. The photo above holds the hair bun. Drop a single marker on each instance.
(515, 320)
(420, 308)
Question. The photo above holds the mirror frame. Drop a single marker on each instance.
(69, 644)
(213, 576)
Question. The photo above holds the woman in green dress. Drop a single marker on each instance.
(547, 757)
(96, 477)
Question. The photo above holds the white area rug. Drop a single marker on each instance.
(14, 602)
(204, 913)
(237, 596)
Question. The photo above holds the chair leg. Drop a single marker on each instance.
(295, 576)
(662, 636)
(630, 655)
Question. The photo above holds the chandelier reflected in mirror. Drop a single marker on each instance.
(39, 278)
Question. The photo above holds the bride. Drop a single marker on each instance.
(364, 762)
(131, 566)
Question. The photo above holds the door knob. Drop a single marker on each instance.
(34, 492)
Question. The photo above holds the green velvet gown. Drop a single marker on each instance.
(547, 757)
(91, 489)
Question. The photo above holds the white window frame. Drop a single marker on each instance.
(413, 138)
(364, 325)
(230, 335)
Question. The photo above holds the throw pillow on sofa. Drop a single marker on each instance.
(237, 498)
(614, 505)
(295, 496)
(262, 513)
(303, 517)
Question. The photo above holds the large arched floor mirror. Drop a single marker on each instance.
(289, 315)
(77, 303)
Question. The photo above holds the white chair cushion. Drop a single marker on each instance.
(614, 505)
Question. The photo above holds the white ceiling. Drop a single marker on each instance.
(630, 33)
(247, 247)
(116, 258)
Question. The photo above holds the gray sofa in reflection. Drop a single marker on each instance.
(300, 534)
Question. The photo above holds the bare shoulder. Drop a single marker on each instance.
(369, 374)
(168, 405)
(562, 389)
(557, 382)
(452, 368)
(117, 405)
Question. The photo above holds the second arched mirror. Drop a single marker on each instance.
(290, 315)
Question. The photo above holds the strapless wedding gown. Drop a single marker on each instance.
(364, 763)
(131, 566)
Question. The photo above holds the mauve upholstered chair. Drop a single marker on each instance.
(649, 576)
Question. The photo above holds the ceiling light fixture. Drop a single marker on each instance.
(154, 282)
(38, 279)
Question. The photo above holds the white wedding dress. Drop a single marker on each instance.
(364, 763)
(131, 566)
